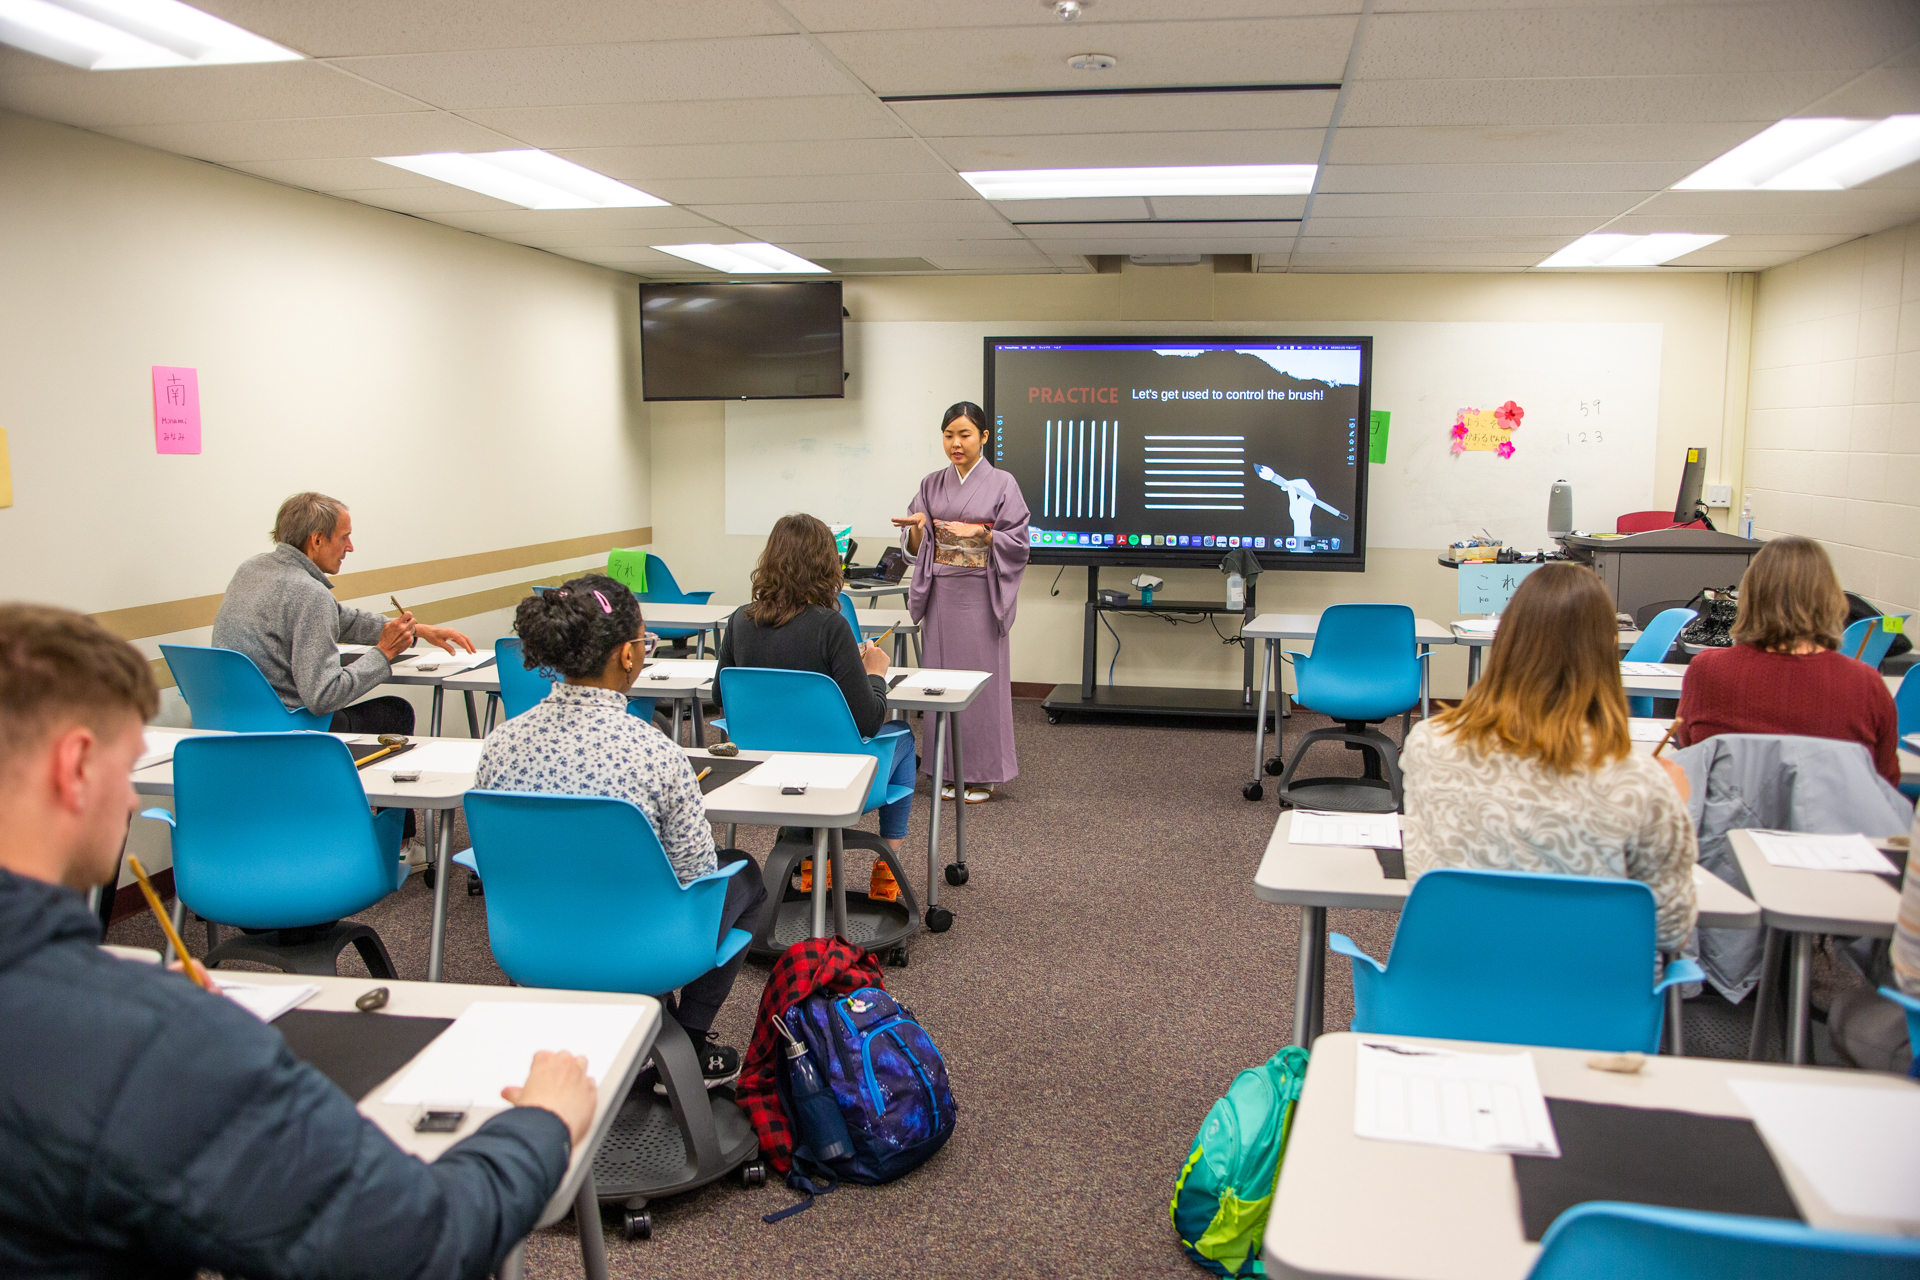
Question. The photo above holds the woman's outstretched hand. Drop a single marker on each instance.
(917, 522)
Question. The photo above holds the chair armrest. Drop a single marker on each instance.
(164, 815)
(1345, 946)
(1422, 657)
(1901, 998)
(465, 858)
(1680, 970)
(735, 941)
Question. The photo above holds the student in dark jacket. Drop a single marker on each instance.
(152, 1128)
(794, 621)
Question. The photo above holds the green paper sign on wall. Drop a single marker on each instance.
(1377, 422)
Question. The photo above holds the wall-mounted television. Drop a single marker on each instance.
(1174, 451)
(777, 340)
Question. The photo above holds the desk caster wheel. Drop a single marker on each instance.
(1253, 791)
(956, 873)
(427, 876)
(896, 958)
(474, 888)
(1052, 718)
(1274, 765)
(753, 1174)
(939, 919)
(637, 1224)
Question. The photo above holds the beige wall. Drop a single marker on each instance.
(689, 439)
(1833, 436)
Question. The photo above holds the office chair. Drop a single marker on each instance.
(225, 690)
(1655, 643)
(1364, 668)
(1648, 1242)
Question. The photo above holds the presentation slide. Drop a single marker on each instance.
(1173, 451)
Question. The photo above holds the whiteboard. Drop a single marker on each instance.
(1591, 392)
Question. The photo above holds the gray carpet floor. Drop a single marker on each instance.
(1108, 972)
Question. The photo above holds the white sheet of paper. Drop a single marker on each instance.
(1859, 1147)
(492, 1044)
(825, 772)
(1821, 853)
(951, 681)
(263, 1001)
(1647, 730)
(362, 648)
(1361, 830)
(434, 757)
(1652, 669)
(437, 661)
(1469, 1101)
(157, 746)
(1478, 626)
(679, 669)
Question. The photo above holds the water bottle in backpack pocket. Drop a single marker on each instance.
(1225, 1191)
(883, 1071)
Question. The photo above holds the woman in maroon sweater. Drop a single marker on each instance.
(1783, 674)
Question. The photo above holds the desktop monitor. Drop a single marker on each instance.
(1175, 451)
(1686, 507)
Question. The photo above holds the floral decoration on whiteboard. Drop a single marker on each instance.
(1487, 430)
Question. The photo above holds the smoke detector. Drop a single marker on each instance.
(1065, 10)
(1093, 62)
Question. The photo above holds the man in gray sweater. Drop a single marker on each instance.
(279, 610)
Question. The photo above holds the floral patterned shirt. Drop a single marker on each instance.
(1505, 812)
(580, 741)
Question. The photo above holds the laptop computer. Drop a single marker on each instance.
(892, 567)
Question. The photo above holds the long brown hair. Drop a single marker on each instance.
(1790, 594)
(1552, 690)
(800, 566)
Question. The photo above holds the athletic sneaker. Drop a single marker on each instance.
(719, 1063)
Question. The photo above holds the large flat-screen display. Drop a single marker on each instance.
(778, 340)
(1172, 451)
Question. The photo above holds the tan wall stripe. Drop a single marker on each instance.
(184, 615)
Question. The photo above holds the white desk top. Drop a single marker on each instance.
(1348, 1206)
(1478, 639)
(1316, 875)
(435, 790)
(874, 587)
(684, 676)
(738, 801)
(874, 621)
(962, 688)
(449, 1000)
(1303, 626)
(1801, 901)
(687, 615)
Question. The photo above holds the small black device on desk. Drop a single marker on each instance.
(893, 566)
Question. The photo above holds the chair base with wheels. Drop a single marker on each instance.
(878, 925)
(1377, 790)
(314, 949)
(660, 1147)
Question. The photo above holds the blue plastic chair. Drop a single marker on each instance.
(1912, 1008)
(1876, 650)
(224, 690)
(1572, 966)
(1655, 642)
(521, 689)
(662, 589)
(1365, 667)
(271, 831)
(773, 709)
(847, 612)
(1646, 1242)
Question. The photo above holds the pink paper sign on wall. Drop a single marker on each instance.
(176, 409)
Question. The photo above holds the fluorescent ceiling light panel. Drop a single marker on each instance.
(530, 179)
(113, 35)
(1204, 180)
(1610, 250)
(1816, 154)
(742, 259)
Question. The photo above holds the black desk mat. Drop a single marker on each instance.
(356, 1050)
(1393, 863)
(1716, 1164)
(724, 770)
(364, 750)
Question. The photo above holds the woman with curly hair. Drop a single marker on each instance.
(794, 622)
(580, 741)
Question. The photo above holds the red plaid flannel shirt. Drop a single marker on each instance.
(832, 965)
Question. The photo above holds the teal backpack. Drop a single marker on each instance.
(1221, 1201)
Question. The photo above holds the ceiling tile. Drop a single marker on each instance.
(1673, 39)
(1228, 206)
(435, 199)
(1361, 245)
(1469, 228)
(1857, 222)
(1738, 259)
(187, 95)
(1219, 242)
(1160, 112)
(335, 28)
(1100, 209)
(1607, 143)
(758, 159)
(1474, 204)
(1838, 204)
(987, 59)
(240, 141)
(840, 232)
(1162, 231)
(577, 75)
(1102, 150)
(1586, 100)
(1496, 179)
(624, 124)
(334, 175)
(631, 238)
(769, 189)
(541, 222)
(879, 15)
(827, 212)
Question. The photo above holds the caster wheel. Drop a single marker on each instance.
(637, 1224)
(427, 875)
(896, 957)
(474, 888)
(753, 1175)
(1253, 791)
(1052, 718)
(956, 873)
(1274, 766)
(939, 919)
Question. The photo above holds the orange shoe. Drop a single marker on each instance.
(806, 876)
(881, 886)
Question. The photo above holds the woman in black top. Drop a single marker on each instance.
(794, 622)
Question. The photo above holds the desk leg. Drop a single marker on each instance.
(1260, 720)
(1310, 976)
(676, 722)
(433, 716)
(1426, 665)
(836, 846)
(1473, 665)
(586, 1218)
(493, 710)
(699, 721)
(959, 792)
(899, 648)
(1799, 999)
(933, 815)
(700, 648)
(514, 1265)
(1676, 1041)
(473, 716)
(440, 827)
(1765, 996)
(819, 923)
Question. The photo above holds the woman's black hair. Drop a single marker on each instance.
(574, 628)
(971, 412)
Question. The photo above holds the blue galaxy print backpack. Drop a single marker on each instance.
(890, 1082)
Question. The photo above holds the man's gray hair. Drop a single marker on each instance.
(305, 514)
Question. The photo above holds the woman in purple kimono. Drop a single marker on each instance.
(967, 532)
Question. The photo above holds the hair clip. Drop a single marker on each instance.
(604, 606)
(561, 594)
